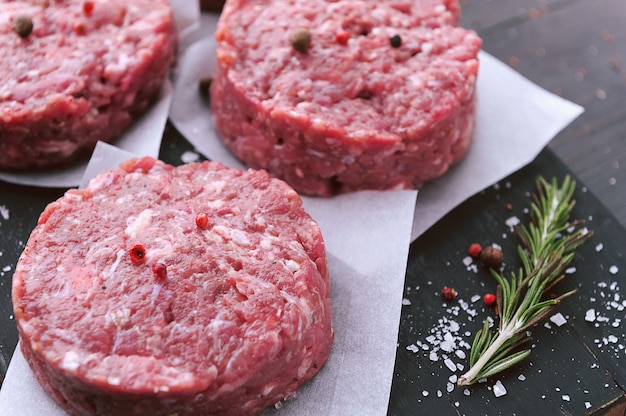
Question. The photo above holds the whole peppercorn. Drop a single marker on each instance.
(342, 37)
(489, 299)
(448, 293)
(474, 250)
(395, 41)
(202, 220)
(88, 7)
(137, 253)
(300, 39)
(492, 257)
(23, 25)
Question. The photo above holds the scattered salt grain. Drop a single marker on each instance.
(521, 377)
(453, 378)
(590, 315)
(413, 348)
(599, 247)
(467, 260)
(587, 405)
(425, 393)
(565, 397)
(475, 298)
(558, 319)
(406, 302)
(498, 389)
(4, 212)
(613, 269)
(512, 222)
(570, 270)
(6, 268)
(450, 364)
(188, 157)
(449, 387)
(467, 392)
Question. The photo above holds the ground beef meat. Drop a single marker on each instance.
(87, 69)
(382, 98)
(196, 290)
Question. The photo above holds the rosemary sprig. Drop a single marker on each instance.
(547, 247)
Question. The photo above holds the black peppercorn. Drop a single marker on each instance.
(395, 41)
(23, 25)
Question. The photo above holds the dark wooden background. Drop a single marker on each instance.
(576, 49)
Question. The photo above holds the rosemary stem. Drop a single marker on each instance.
(503, 335)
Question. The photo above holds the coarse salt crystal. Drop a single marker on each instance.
(613, 269)
(467, 260)
(498, 389)
(512, 222)
(188, 157)
(590, 315)
(425, 393)
(565, 397)
(451, 366)
(475, 298)
(4, 212)
(558, 319)
(413, 348)
(587, 405)
(599, 247)
(405, 301)
(570, 270)
(521, 377)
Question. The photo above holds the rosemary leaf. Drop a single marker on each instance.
(546, 247)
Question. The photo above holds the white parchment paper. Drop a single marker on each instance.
(144, 136)
(516, 119)
(367, 239)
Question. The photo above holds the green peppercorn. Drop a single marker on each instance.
(23, 25)
(300, 39)
(395, 41)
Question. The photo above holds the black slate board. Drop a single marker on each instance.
(575, 368)
(565, 360)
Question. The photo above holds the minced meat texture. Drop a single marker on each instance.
(86, 70)
(196, 290)
(384, 96)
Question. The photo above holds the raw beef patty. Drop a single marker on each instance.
(383, 97)
(83, 72)
(196, 290)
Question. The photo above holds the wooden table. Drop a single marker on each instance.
(574, 48)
